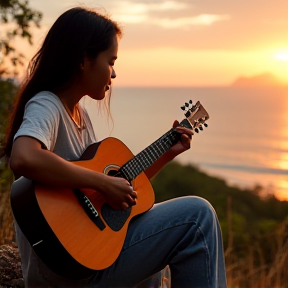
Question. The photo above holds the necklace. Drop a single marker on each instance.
(77, 119)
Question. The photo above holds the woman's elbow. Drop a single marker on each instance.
(18, 164)
(23, 151)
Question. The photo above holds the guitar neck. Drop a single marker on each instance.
(131, 169)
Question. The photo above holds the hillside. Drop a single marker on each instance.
(254, 229)
(265, 79)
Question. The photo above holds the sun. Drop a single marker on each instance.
(281, 55)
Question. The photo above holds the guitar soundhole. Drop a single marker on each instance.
(112, 172)
(116, 173)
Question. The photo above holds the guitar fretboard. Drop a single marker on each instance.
(148, 156)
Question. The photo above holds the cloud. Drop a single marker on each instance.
(128, 7)
(142, 12)
(199, 20)
(130, 18)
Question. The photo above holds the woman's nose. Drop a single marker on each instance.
(113, 75)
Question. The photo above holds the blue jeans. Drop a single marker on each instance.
(183, 233)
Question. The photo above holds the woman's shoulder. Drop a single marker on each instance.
(44, 104)
(45, 100)
(45, 96)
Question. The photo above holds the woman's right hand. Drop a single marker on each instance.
(45, 167)
(118, 193)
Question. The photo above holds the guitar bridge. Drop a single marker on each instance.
(90, 210)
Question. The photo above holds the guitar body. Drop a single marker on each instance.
(74, 232)
(68, 224)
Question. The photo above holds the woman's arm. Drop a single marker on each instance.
(28, 159)
(180, 147)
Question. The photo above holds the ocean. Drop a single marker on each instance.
(246, 142)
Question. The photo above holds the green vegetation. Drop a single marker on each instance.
(20, 16)
(16, 18)
(7, 91)
(252, 215)
(254, 228)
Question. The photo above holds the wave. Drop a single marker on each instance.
(251, 169)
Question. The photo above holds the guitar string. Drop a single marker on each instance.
(155, 150)
(151, 148)
(146, 158)
(134, 167)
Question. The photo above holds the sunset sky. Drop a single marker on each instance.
(188, 42)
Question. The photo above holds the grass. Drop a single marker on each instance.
(259, 266)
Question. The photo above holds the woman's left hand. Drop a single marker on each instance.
(185, 140)
(182, 145)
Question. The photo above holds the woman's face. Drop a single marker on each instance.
(97, 73)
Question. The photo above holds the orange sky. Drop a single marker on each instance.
(186, 42)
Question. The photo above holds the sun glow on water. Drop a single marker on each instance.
(281, 55)
(282, 193)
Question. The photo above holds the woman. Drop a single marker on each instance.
(50, 126)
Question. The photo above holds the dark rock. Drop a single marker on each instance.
(10, 267)
(11, 274)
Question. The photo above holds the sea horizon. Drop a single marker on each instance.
(245, 144)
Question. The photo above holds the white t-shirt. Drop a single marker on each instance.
(46, 119)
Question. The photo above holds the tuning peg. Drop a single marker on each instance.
(183, 108)
(186, 104)
(190, 101)
(196, 130)
(205, 124)
(187, 114)
(201, 128)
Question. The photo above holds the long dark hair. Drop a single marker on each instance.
(77, 32)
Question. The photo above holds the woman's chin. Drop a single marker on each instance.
(99, 96)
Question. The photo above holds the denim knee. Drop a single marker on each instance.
(199, 205)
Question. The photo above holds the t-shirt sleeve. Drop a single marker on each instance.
(41, 121)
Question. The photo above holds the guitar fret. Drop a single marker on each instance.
(135, 164)
(125, 173)
(143, 161)
(134, 168)
(148, 156)
(151, 150)
(145, 158)
(158, 148)
(162, 144)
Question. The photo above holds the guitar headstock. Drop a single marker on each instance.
(196, 116)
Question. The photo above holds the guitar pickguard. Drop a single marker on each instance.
(115, 219)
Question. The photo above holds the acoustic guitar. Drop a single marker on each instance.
(73, 231)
